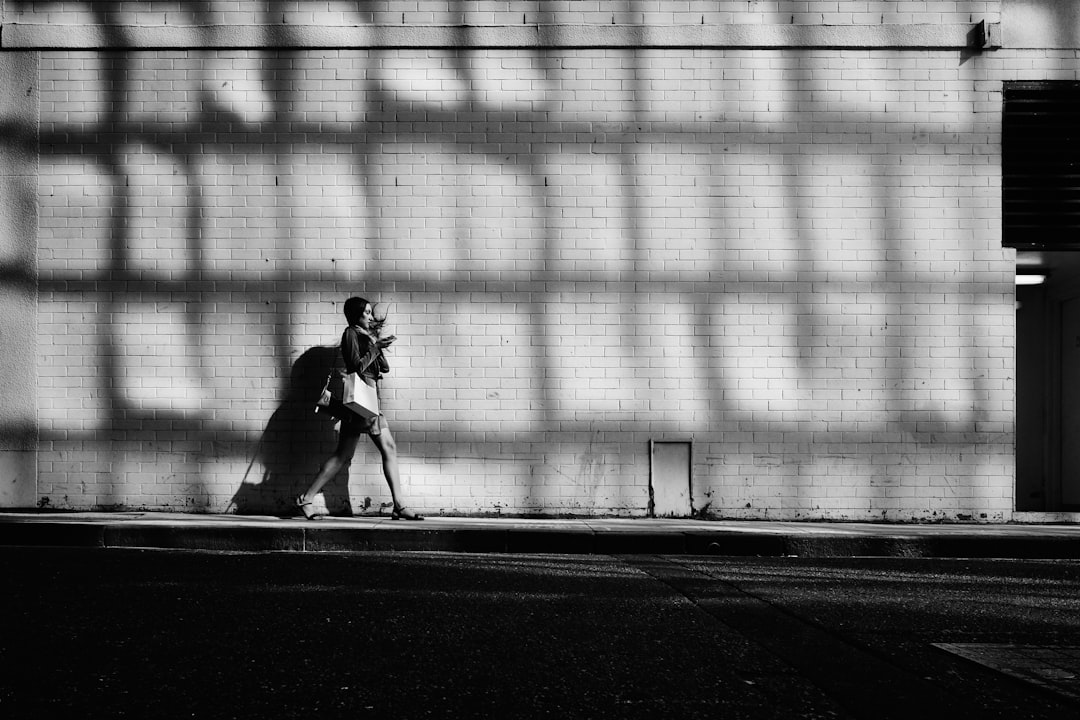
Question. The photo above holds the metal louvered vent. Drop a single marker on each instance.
(1040, 165)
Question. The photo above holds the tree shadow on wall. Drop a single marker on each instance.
(294, 445)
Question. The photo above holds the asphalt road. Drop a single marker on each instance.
(158, 634)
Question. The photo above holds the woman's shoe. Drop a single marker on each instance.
(404, 513)
(305, 507)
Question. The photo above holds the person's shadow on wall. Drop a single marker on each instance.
(294, 445)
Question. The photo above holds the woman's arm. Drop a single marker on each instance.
(358, 351)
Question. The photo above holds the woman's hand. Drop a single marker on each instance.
(385, 342)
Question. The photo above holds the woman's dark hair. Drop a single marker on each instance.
(354, 310)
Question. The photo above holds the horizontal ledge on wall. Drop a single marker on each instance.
(22, 36)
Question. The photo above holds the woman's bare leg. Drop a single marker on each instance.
(342, 456)
(388, 449)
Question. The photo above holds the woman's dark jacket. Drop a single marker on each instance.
(362, 354)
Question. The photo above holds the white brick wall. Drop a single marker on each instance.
(504, 12)
(789, 257)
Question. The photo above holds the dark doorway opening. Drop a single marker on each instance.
(1048, 381)
(1040, 167)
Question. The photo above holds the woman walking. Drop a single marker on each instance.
(362, 350)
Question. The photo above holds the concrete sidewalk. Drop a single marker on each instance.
(526, 535)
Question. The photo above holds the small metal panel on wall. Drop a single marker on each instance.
(670, 480)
